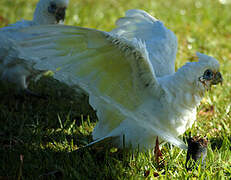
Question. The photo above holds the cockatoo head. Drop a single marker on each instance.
(50, 11)
(202, 74)
(208, 71)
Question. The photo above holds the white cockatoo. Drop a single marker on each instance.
(17, 70)
(129, 75)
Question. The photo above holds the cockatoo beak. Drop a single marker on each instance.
(217, 79)
(60, 14)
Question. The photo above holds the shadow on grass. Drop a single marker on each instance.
(44, 131)
(43, 159)
(47, 163)
(61, 101)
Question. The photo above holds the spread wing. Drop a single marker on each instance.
(161, 43)
(115, 72)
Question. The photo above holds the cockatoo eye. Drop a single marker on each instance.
(208, 74)
(52, 8)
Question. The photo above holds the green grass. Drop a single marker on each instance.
(46, 132)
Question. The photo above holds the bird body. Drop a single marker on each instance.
(137, 97)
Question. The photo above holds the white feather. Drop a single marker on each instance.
(161, 43)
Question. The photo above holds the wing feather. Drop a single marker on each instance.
(115, 72)
(161, 42)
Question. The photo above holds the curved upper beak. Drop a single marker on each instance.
(217, 79)
(60, 14)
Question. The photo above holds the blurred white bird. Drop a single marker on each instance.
(129, 75)
(15, 69)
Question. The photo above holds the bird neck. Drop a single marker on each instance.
(182, 88)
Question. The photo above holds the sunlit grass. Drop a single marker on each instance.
(45, 131)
